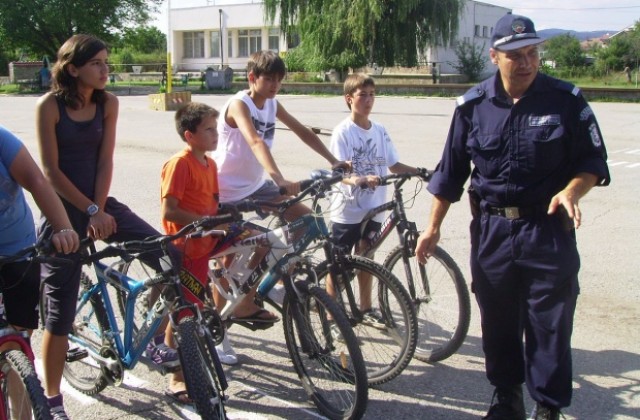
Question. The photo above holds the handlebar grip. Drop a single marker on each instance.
(212, 221)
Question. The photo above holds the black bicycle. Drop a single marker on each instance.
(438, 289)
(387, 339)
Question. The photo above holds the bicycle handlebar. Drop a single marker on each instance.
(319, 183)
(200, 228)
(423, 173)
(41, 252)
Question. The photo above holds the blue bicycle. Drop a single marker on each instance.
(106, 341)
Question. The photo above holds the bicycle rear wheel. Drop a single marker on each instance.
(387, 345)
(22, 393)
(441, 300)
(202, 369)
(332, 371)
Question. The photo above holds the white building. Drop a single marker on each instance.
(475, 27)
(227, 33)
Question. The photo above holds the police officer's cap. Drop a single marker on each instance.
(513, 32)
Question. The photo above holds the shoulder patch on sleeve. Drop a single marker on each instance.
(470, 96)
(568, 87)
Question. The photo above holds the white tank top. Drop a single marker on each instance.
(239, 172)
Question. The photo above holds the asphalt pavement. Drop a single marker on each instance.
(264, 386)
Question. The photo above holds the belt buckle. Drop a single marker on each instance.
(511, 213)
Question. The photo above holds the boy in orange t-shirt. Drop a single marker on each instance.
(189, 191)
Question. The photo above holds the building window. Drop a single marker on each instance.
(274, 39)
(484, 32)
(230, 47)
(215, 43)
(193, 43)
(249, 41)
(491, 31)
(477, 31)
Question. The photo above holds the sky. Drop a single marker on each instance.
(575, 15)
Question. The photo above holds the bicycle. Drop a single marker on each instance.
(21, 393)
(387, 347)
(332, 371)
(102, 346)
(438, 289)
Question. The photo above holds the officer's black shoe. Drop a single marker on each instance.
(544, 412)
(507, 404)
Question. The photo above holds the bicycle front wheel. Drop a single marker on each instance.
(202, 369)
(22, 393)
(441, 298)
(387, 340)
(82, 371)
(332, 371)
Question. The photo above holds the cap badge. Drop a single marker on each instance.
(518, 26)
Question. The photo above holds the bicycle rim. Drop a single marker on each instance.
(22, 393)
(387, 347)
(332, 372)
(441, 300)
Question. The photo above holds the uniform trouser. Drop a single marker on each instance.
(63, 280)
(525, 281)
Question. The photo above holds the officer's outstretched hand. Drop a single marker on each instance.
(566, 200)
(426, 245)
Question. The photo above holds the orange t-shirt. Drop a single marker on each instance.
(195, 186)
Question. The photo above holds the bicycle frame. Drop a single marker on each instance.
(282, 252)
(407, 231)
(128, 350)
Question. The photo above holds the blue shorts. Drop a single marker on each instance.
(347, 235)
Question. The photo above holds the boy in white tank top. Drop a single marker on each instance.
(246, 167)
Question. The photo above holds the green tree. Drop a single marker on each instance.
(614, 56)
(565, 51)
(144, 39)
(345, 34)
(41, 26)
(471, 60)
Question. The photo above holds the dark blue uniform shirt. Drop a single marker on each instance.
(524, 153)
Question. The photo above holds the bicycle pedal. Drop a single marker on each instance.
(76, 354)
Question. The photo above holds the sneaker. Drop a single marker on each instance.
(277, 293)
(373, 318)
(544, 412)
(507, 403)
(56, 407)
(225, 351)
(161, 354)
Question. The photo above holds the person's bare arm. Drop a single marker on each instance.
(429, 238)
(569, 197)
(27, 174)
(401, 168)
(171, 211)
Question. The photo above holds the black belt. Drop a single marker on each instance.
(512, 213)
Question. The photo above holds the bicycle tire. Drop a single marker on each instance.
(387, 349)
(332, 373)
(33, 403)
(201, 368)
(443, 313)
(85, 374)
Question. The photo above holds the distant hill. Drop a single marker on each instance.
(582, 36)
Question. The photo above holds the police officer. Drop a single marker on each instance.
(536, 150)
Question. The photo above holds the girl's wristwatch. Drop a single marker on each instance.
(93, 209)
